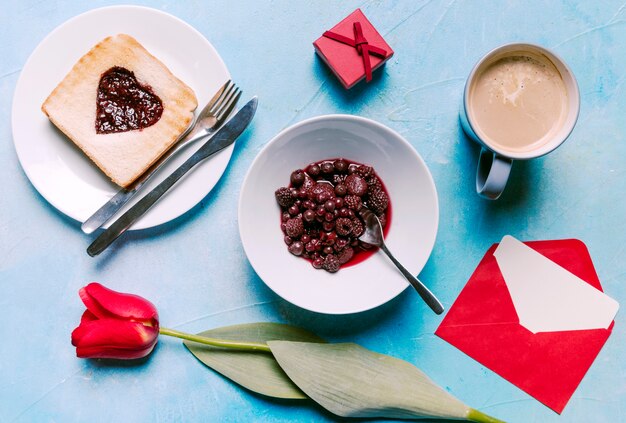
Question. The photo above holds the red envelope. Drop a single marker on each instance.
(483, 324)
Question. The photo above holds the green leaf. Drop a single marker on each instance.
(351, 381)
(256, 371)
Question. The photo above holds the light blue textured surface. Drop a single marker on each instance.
(195, 269)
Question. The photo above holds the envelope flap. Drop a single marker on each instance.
(547, 297)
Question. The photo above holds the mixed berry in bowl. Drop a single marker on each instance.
(320, 219)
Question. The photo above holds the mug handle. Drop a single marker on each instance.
(492, 174)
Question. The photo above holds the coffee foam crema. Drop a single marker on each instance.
(518, 102)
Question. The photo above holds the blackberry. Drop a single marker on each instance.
(364, 171)
(378, 201)
(352, 202)
(284, 197)
(373, 184)
(294, 228)
(331, 263)
(343, 226)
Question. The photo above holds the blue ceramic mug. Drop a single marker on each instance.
(495, 161)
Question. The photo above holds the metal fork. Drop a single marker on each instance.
(207, 122)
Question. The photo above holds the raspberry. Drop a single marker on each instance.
(284, 197)
(343, 226)
(364, 171)
(331, 263)
(356, 185)
(346, 255)
(357, 227)
(294, 227)
(378, 201)
(352, 202)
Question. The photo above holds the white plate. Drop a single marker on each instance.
(61, 173)
(411, 235)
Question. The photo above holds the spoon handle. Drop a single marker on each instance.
(428, 297)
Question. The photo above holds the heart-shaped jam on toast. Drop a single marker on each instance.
(124, 104)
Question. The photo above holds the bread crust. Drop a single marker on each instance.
(122, 156)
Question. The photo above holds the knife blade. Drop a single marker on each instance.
(225, 136)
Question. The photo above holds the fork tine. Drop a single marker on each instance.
(229, 109)
(227, 102)
(215, 98)
(221, 100)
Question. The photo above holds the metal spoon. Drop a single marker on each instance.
(374, 235)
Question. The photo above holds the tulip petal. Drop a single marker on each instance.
(111, 338)
(106, 303)
(114, 353)
(88, 316)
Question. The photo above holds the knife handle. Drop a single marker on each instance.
(122, 224)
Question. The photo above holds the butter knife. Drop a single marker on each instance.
(224, 137)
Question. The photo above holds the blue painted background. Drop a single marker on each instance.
(196, 271)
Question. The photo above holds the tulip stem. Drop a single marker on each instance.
(214, 342)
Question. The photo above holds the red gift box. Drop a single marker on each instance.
(353, 49)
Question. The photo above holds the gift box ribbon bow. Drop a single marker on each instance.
(362, 47)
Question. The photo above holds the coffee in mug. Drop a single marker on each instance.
(521, 101)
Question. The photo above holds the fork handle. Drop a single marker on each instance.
(428, 297)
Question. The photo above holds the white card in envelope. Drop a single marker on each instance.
(548, 298)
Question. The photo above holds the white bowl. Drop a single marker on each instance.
(412, 233)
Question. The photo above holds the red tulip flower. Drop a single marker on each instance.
(115, 325)
(126, 326)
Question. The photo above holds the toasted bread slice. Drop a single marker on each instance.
(123, 156)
